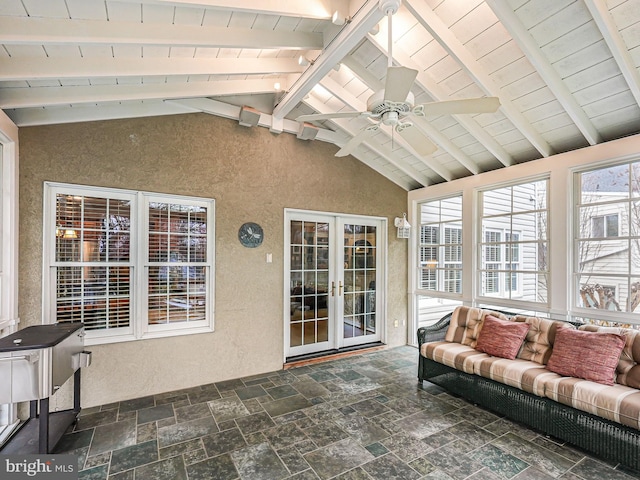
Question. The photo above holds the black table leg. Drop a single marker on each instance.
(76, 391)
(44, 426)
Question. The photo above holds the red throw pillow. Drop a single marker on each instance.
(501, 338)
(589, 355)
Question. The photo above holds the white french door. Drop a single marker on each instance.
(334, 274)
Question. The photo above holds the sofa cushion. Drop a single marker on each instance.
(628, 369)
(617, 403)
(537, 345)
(523, 374)
(590, 355)
(451, 354)
(501, 338)
(466, 323)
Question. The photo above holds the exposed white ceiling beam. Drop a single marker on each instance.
(290, 126)
(319, 9)
(436, 92)
(436, 27)
(63, 31)
(358, 105)
(365, 19)
(532, 51)
(378, 147)
(51, 96)
(226, 110)
(600, 13)
(25, 117)
(54, 68)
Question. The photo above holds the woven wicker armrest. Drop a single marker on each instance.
(435, 332)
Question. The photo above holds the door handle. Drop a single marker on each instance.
(333, 288)
(340, 288)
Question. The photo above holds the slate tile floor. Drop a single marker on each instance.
(362, 417)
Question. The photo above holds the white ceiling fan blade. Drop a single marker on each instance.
(356, 140)
(327, 116)
(414, 137)
(456, 107)
(398, 83)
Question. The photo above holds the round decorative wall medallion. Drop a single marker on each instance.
(251, 235)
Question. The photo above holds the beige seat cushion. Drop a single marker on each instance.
(617, 403)
(523, 374)
(453, 355)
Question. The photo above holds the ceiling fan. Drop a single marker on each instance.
(394, 105)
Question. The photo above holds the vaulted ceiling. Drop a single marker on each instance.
(566, 72)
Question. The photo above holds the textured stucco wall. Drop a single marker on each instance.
(253, 175)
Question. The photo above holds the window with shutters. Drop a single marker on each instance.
(129, 264)
(440, 247)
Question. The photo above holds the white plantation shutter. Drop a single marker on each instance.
(177, 269)
(93, 260)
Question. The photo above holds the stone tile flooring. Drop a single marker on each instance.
(361, 417)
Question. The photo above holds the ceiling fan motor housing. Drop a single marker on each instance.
(378, 106)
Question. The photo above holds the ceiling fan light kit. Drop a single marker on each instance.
(394, 105)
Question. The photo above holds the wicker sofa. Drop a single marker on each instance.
(601, 418)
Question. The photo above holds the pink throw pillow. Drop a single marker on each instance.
(589, 355)
(501, 338)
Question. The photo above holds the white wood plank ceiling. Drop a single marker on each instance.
(567, 72)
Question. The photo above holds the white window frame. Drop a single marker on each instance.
(160, 330)
(139, 327)
(485, 223)
(619, 203)
(437, 268)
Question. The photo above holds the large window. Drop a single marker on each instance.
(558, 237)
(129, 264)
(440, 249)
(439, 275)
(607, 232)
(512, 253)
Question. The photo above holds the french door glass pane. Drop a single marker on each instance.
(359, 280)
(309, 295)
